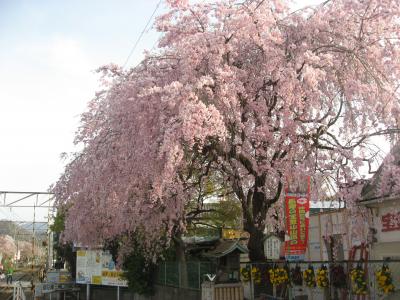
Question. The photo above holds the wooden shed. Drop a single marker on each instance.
(226, 254)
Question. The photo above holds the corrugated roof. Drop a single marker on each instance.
(370, 190)
(224, 248)
(199, 239)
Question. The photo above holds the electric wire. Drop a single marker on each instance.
(141, 34)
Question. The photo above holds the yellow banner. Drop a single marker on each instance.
(233, 234)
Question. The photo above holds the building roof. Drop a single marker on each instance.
(319, 210)
(197, 240)
(225, 247)
(370, 190)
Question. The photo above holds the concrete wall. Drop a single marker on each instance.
(170, 293)
(325, 224)
(387, 241)
(162, 293)
(386, 250)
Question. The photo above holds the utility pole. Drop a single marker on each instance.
(49, 241)
(33, 236)
(15, 240)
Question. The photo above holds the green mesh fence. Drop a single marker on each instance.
(172, 274)
(189, 275)
(161, 274)
(193, 275)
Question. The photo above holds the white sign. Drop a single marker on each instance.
(43, 288)
(97, 267)
(387, 224)
(207, 291)
(59, 276)
(38, 290)
(272, 247)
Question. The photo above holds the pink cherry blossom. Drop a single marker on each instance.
(246, 91)
(8, 247)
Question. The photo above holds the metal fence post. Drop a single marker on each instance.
(199, 274)
(165, 273)
(251, 282)
(87, 291)
(179, 274)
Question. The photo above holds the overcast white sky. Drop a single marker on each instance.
(48, 51)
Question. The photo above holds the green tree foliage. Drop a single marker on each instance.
(214, 206)
(140, 272)
(58, 225)
(63, 250)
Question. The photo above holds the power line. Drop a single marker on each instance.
(142, 33)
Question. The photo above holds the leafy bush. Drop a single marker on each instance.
(139, 272)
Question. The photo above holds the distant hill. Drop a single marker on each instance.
(22, 231)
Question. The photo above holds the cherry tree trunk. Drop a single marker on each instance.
(181, 259)
(254, 224)
(256, 245)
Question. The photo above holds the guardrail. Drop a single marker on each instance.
(18, 293)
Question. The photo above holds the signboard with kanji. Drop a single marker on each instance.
(97, 267)
(272, 247)
(390, 221)
(297, 207)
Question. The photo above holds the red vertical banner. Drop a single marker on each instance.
(297, 210)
